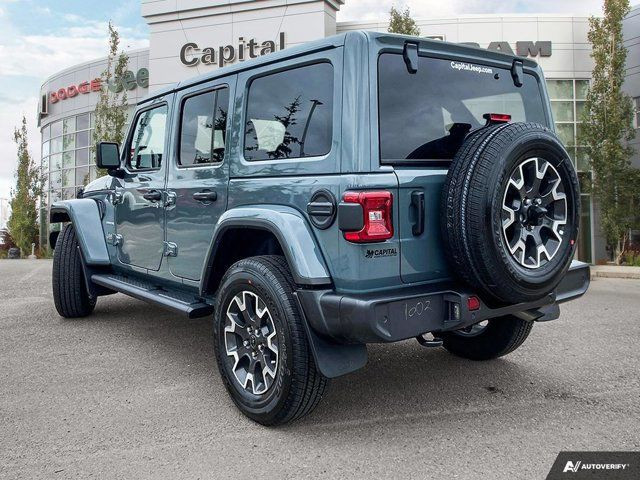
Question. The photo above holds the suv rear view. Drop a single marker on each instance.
(359, 189)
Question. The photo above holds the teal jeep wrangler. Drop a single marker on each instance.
(362, 188)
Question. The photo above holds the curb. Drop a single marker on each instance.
(621, 272)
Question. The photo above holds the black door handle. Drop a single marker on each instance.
(151, 195)
(205, 196)
(417, 204)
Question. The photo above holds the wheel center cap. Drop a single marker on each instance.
(532, 214)
(253, 341)
(535, 213)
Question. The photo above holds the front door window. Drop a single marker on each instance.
(148, 140)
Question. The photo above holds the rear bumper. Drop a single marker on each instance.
(409, 312)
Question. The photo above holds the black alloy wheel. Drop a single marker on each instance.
(261, 344)
(251, 342)
(534, 212)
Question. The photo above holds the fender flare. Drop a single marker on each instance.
(85, 216)
(290, 229)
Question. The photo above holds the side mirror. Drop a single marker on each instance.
(108, 155)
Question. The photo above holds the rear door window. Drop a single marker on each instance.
(427, 115)
(203, 128)
(289, 114)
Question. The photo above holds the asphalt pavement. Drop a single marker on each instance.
(133, 392)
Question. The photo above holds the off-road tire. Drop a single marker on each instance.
(70, 295)
(501, 336)
(471, 205)
(298, 385)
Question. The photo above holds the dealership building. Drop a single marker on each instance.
(192, 37)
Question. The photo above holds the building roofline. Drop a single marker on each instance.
(475, 16)
(87, 63)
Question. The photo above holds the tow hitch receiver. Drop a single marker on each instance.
(433, 342)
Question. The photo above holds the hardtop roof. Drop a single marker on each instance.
(339, 41)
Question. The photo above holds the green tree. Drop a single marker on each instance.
(400, 21)
(22, 224)
(111, 109)
(606, 129)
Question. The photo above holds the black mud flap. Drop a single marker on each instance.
(333, 359)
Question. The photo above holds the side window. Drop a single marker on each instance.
(290, 114)
(148, 140)
(203, 128)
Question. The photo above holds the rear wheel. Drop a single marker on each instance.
(70, 293)
(262, 350)
(489, 339)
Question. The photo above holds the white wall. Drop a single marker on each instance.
(216, 23)
(571, 49)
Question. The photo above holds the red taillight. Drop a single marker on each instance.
(473, 303)
(497, 117)
(376, 210)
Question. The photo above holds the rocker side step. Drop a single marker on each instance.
(181, 302)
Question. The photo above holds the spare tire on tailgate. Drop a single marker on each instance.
(510, 210)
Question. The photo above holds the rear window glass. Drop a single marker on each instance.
(289, 114)
(426, 116)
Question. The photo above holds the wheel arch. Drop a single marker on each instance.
(272, 229)
(86, 217)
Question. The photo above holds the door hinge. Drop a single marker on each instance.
(114, 239)
(170, 249)
(170, 199)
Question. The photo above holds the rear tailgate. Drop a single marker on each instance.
(421, 254)
(424, 117)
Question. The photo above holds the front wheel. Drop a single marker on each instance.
(70, 295)
(262, 350)
(489, 339)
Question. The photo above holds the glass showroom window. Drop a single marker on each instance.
(567, 104)
(67, 158)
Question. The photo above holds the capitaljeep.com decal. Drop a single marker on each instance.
(469, 67)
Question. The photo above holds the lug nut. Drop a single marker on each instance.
(245, 343)
(538, 201)
(261, 347)
(254, 354)
(249, 330)
(256, 332)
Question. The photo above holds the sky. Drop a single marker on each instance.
(41, 37)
